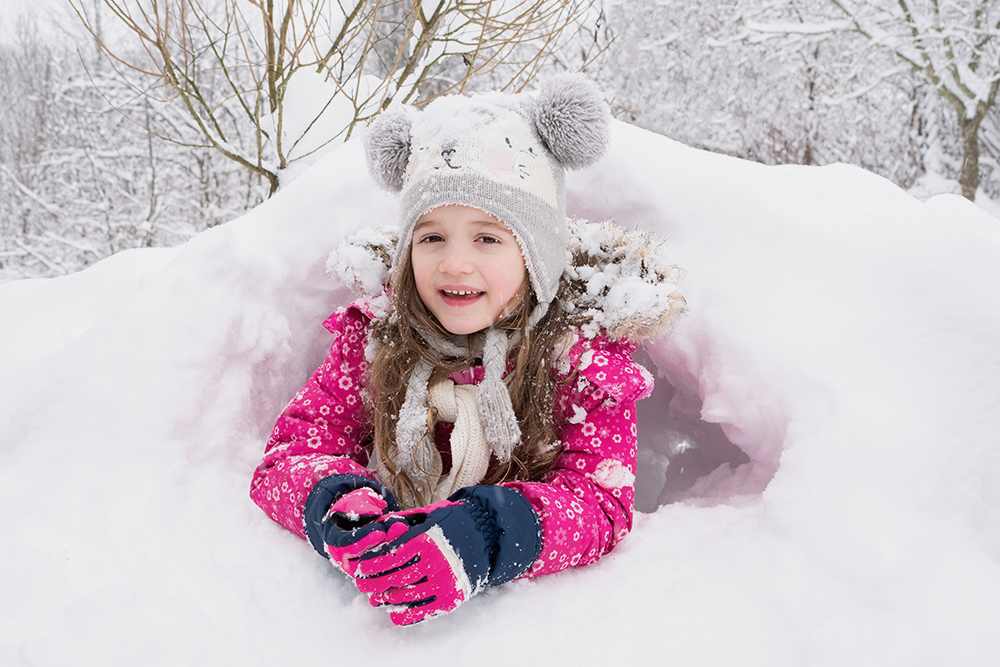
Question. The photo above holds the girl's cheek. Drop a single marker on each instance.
(421, 280)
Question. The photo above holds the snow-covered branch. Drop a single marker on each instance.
(953, 46)
(267, 83)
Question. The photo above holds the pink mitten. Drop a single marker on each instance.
(418, 571)
(423, 577)
(352, 530)
(360, 506)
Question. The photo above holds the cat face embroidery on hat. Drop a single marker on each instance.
(501, 150)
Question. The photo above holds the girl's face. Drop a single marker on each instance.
(467, 266)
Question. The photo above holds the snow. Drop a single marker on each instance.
(315, 115)
(611, 474)
(840, 332)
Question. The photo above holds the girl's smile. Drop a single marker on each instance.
(467, 266)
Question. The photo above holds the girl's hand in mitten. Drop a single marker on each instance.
(348, 530)
(340, 518)
(356, 508)
(421, 574)
(481, 536)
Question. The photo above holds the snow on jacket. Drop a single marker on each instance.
(626, 293)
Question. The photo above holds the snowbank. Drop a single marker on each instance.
(841, 334)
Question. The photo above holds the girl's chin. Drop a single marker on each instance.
(463, 320)
(463, 330)
(462, 326)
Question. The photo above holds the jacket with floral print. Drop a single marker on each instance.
(584, 504)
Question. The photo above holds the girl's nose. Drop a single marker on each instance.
(456, 260)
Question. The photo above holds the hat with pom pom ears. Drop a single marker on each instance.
(502, 154)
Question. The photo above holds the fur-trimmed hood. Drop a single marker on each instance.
(616, 280)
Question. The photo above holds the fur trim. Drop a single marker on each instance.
(363, 260)
(616, 280)
(620, 281)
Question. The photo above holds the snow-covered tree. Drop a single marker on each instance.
(951, 46)
(269, 82)
(79, 182)
(690, 71)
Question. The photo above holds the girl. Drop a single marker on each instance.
(475, 419)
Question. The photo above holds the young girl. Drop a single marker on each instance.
(475, 419)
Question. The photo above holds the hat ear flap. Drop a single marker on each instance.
(387, 147)
(573, 119)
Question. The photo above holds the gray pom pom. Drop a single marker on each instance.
(573, 120)
(387, 147)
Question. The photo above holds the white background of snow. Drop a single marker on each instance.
(836, 323)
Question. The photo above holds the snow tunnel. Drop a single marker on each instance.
(700, 440)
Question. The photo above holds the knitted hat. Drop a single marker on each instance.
(502, 154)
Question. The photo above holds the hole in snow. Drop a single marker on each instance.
(681, 456)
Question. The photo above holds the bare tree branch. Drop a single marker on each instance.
(212, 55)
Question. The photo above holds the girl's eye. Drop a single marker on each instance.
(432, 238)
(486, 238)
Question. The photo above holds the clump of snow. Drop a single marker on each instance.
(839, 332)
(612, 474)
(579, 415)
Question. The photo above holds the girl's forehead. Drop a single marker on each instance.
(461, 215)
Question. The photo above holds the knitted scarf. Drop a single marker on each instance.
(484, 419)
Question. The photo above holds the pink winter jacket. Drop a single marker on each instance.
(584, 503)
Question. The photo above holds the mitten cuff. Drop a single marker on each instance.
(326, 492)
(509, 525)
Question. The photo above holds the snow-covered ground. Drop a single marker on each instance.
(842, 334)
(932, 184)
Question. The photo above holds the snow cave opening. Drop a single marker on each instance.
(678, 451)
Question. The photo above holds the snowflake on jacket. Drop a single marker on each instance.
(585, 503)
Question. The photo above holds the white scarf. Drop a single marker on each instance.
(490, 429)
(484, 418)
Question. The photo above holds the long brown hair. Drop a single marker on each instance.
(531, 383)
